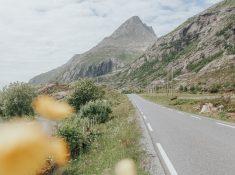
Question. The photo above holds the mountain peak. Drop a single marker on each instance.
(134, 19)
(126, 44)
(134, 27)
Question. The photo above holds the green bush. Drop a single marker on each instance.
(181, 88)
(214, 88)
(196, 67)
(183, 101)
(97, 110)
(223, 116)
(78, 133)
(185, 89)
(193, 89)
(16, 100)
(85, 91)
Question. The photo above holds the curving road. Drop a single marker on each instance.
(189, 144)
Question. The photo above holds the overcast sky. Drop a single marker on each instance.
(38, 35)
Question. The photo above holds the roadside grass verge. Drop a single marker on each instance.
(119, 138)
(188, 104)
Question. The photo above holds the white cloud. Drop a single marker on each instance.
(213, 1)
(38, 35)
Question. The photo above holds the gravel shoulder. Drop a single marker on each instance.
(151, 163)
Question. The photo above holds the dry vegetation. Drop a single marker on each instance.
(192, 103)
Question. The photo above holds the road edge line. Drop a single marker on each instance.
(167, 161)
(149, 127)
(158, 158)
(223, 124)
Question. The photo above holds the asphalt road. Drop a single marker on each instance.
(188, 144)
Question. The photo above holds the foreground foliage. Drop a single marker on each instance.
(85, 91)
(96, 110)
(16, 100)
(78, 134)
(116, 139)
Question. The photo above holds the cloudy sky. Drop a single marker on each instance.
(38, 35)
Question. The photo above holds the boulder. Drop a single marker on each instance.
(208, 108)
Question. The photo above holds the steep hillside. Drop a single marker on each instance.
(200, 51)
(128, 42)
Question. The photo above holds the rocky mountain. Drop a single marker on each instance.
(200, 51)
(127, 43)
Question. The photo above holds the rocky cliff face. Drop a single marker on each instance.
(127, 43)
(201, 50)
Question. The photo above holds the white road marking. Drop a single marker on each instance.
(225, 125)
(196, 117)
(149, 127)
(144, 117)
(168, 163)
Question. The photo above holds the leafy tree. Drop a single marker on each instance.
(85, 91)
(17, 99)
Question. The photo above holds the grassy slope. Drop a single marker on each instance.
(189, 102)
(119, 139)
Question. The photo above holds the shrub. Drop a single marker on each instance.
(185, 89)
(181, 88)
(183, 101)
(198, 88)
(196, 67)
(17, 99)
(97, 110)
(78, 133)
(85, 91)
(223, 116)
(214, 88)
(192, 89)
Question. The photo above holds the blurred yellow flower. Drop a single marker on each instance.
(59, 151)
(50, 108)
(125, 167)
(25, 148)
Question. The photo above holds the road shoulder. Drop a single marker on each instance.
(152, 162)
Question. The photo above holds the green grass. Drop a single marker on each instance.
(119, 139)
(196, 67)
(96, 57)
(227, 3)
(224, 30)
(189, 102)
(154, 68)
(230, 49)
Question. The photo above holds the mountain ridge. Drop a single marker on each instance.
(126, 43)
(202, 45)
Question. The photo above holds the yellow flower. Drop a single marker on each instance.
(49, 108)
(25, 148)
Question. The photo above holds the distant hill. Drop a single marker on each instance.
(127, 43)
(200, 51)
